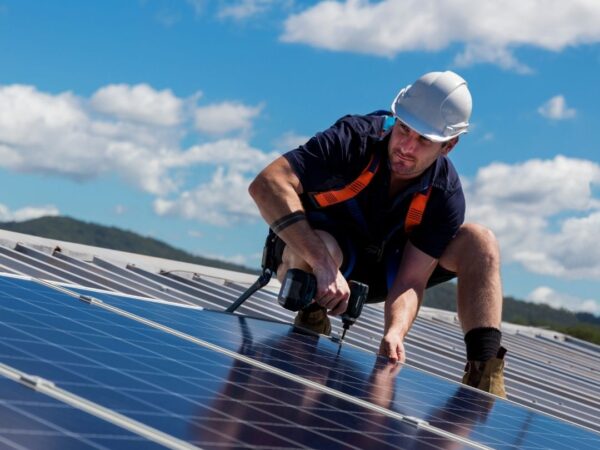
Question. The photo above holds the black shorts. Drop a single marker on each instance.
(364, 264)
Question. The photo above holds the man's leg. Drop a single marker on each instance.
(313, 317)
(475, 258)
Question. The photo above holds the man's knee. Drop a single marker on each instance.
(473, 243)
(290, 260)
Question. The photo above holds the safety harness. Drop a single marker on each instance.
(351, 190)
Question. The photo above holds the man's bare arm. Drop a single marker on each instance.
(404, 299)
(276, 191)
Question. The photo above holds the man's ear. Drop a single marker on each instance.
(448, 146)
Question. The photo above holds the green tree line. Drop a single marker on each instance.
(580, 325)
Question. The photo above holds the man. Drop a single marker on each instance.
(375, 198)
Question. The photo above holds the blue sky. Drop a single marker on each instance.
(154, 115)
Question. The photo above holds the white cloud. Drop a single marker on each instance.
(134, 132)
(120, 210)
(556, 109)
(226, 117)
(544, 213)
(547, 296)
(223, 201)
(65, 135)
(234, 153)
(58, 135)
(489, 31)
(139, 103)
(26, 213)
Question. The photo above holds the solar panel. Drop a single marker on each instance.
(190, 391)
(453, 408)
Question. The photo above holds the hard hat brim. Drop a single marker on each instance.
(420, 126)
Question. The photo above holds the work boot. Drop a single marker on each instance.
(314, 318)
(487, 375)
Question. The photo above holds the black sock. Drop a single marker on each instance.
(482, 343)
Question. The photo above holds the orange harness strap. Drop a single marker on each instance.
(328, 198)
(333, 197)
(416, 210)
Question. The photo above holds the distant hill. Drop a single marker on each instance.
(581, 325)
(72, 230)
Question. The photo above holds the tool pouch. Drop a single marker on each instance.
(268, 257)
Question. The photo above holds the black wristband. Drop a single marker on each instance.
(287, 220)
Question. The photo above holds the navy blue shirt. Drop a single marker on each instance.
(336, 157)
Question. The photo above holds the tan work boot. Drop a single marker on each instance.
(314, 318)
(487, 375)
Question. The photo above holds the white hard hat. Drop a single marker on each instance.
(437, 106)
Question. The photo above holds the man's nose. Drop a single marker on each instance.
(409, 142)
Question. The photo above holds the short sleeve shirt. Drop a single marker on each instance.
(335, 157)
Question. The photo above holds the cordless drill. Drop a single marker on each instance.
(299, 288)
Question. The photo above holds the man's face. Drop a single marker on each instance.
(411, 154)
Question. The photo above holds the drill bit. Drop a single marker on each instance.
(343, 334)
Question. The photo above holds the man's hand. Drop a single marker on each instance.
(392, 346)
(332, 291)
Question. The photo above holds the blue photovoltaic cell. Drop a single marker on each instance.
(446, 405)
(181, 388)
(32, 420)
